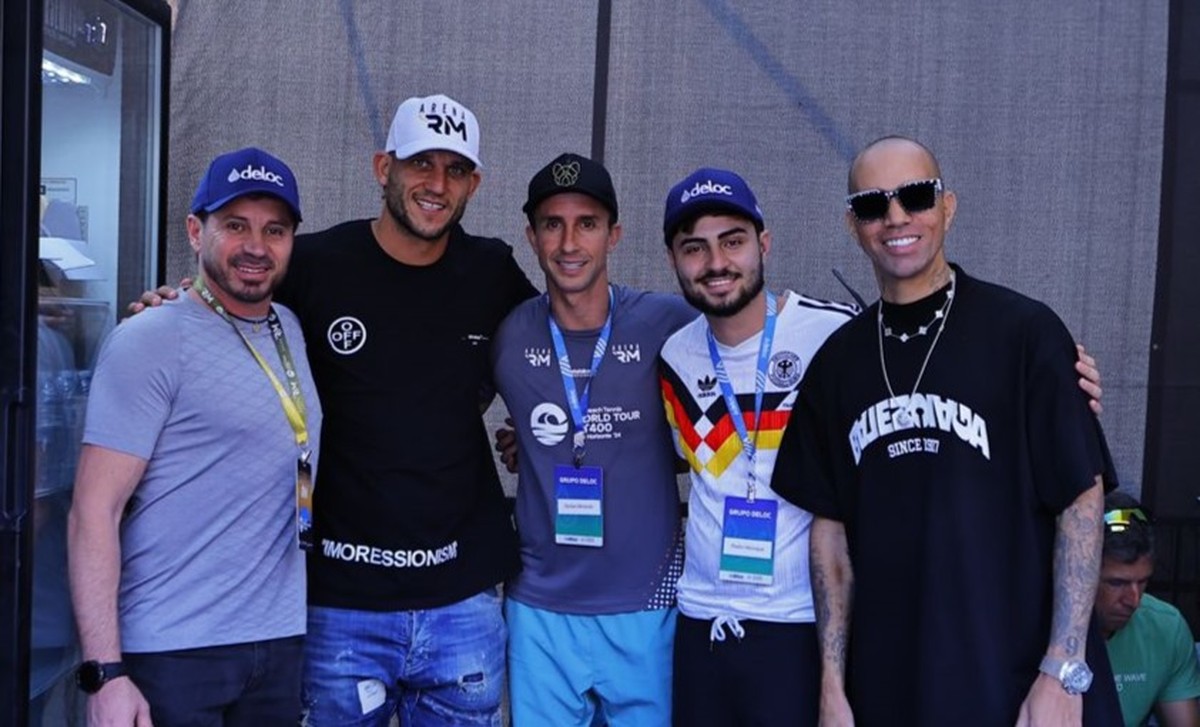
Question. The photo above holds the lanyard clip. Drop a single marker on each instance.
(577, 446)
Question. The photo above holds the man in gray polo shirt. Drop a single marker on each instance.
(192, 498)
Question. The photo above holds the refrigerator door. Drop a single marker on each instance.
(20, 21)
(101, 201)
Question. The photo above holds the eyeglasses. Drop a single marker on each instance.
(1119, 520)
(872, 204)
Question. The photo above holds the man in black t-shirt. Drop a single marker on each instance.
(953, 470)
(412, 531)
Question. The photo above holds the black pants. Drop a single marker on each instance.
(771, 676)
(255, 684)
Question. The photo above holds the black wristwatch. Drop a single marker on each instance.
(92, 675)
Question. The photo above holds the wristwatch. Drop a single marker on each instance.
(1075, 676)
(92, 675)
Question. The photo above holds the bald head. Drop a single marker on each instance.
(888, 148)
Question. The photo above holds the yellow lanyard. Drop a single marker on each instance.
(293, 397)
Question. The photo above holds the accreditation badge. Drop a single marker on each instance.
(304, 495)
(579, 501)
(748, 541)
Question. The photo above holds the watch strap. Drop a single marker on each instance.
(92, 674)
(1053, 667)
(114, 669)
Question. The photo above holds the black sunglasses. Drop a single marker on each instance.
(872, 204)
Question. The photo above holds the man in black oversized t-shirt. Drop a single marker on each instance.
(953, 471)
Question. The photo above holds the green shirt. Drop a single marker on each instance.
(1153, 660)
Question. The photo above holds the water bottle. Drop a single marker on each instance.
(49, 429)
(78, 408)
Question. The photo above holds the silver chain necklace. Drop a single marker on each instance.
(904, 417)
(904, 337)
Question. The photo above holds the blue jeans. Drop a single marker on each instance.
(251, 684)
(440, 666)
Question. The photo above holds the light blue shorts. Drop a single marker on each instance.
(566, 669)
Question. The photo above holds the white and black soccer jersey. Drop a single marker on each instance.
(408, 512)
(705, 436)
(950, 519)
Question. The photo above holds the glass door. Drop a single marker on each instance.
(100, 204)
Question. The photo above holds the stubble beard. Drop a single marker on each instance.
(394, 198)
(217, 276)
(727, 308)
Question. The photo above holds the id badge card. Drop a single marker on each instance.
(304, 494)
(579, 502)
(748, 541)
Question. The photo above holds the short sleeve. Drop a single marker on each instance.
(805, 469)
(1064, 438)
(133, 385)
(520, 289)
(672, 405)
(1183, 681)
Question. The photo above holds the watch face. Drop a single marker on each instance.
(90, 676)
(1077, 678)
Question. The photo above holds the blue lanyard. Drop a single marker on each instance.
(749, 443)
(576, 401)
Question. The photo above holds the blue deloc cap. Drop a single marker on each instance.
(246, 171)
(709, 190)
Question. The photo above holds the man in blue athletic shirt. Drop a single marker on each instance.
(591, 615)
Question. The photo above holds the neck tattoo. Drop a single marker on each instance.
(904, 417)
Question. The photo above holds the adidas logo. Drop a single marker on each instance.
(709, 187)
(250, 172)
(706, 384)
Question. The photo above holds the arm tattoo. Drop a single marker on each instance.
(1077, 548)
(832, 583)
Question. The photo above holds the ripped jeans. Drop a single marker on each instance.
(435, 667)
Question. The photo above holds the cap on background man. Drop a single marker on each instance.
(434, 122)
(707, 191)
(1148, 640)
(242, 172)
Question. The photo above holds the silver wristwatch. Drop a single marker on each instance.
(1075, 676)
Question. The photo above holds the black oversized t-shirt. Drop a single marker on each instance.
(408, 511)
(950, 522)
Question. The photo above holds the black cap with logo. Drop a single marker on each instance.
(571, 173)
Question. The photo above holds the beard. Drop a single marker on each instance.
(393, 195)
(219, 277)
(693, 294)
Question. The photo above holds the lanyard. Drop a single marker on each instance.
(749, 443)
(292, 398)
(576, 401)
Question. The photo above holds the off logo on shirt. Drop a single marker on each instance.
(346, 335)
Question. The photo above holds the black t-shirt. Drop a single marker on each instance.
(950, 522)
(408, 511)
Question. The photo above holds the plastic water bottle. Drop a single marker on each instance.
(49, 434)
(77, 406)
